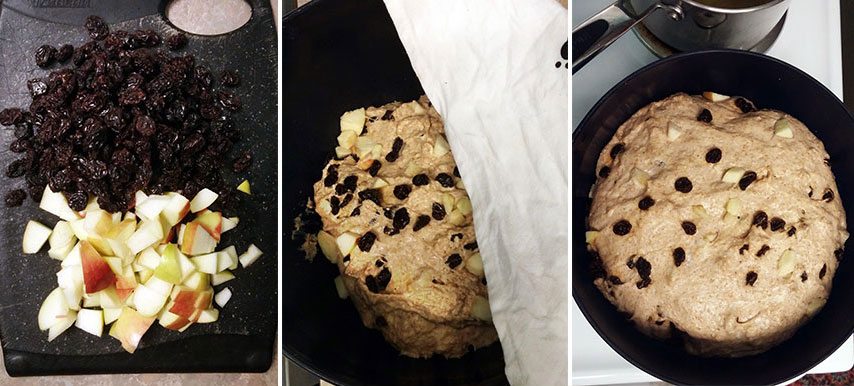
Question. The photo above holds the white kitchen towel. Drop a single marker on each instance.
(496, 72)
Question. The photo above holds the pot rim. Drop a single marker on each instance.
(698, 4)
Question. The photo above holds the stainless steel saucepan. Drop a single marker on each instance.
(685, 25)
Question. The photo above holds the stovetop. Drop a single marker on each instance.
(816, 22)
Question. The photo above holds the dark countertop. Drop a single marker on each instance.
(846, 14)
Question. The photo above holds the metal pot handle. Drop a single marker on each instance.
(598, 32)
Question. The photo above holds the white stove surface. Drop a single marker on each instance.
(816, 22)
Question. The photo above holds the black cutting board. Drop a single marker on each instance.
(242, 339)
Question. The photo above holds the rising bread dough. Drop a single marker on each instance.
(415, 272)
(715, 223)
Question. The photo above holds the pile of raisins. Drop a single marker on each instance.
(124, 116)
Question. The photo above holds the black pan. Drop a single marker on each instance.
(339, 55)
(770, 84)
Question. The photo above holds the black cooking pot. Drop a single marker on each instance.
(770, 84)
(339, 55)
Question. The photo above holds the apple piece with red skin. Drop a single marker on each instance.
(127, 280)
(175, 210)
(183, 302)
(205, 299)
(130, 327)
(197, 240)
(124, 294)
(173, 322)
(211, 221)
(97, 274)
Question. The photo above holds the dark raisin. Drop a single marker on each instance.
(646, 203)
(402, 191)
(229, 78)
(331, 176)
(438, 211)
(379, 263)
(371, 195)
(387, 116)
(644, 269)
(340, 189)
(11, 116)
(454, 260)
(445, 180)
(401, 219)
(745, 247)
(470, 246)
(777, 224)
(456, 236)
(17, 168)
(616, 150)
(374, 169)
(760, 219)
(746, 179)
(242, 162)
(604, 172)
(822, 272)
(346, 200)
(744, 105)
(335, 203)
(45, 56)
(420, 180)
(366, 241)
(350, 183)
(356, 211)
(371, 283)
(420, 222)
(631, 263)
(683, 184)
(827, 196)
(384, 277)
(37, 87)
(713, 156)
(65, 52)
(15, 198)
(762, 250)
(345, 259)
(804, 276)
(705, 116)
(457, 172)
(388, 213)
(391, 231)
(838, 254)
(678, 256)
(689, 228)
(229, 101)
(791, 232)
(615, 280)
(176, 42)
(622, 228)
(751, 278)
(96, 27)
(78, 201)
(396, 146)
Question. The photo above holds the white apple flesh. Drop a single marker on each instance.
(35, 235)
(203, 199)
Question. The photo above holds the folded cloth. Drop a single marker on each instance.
(496, 72)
